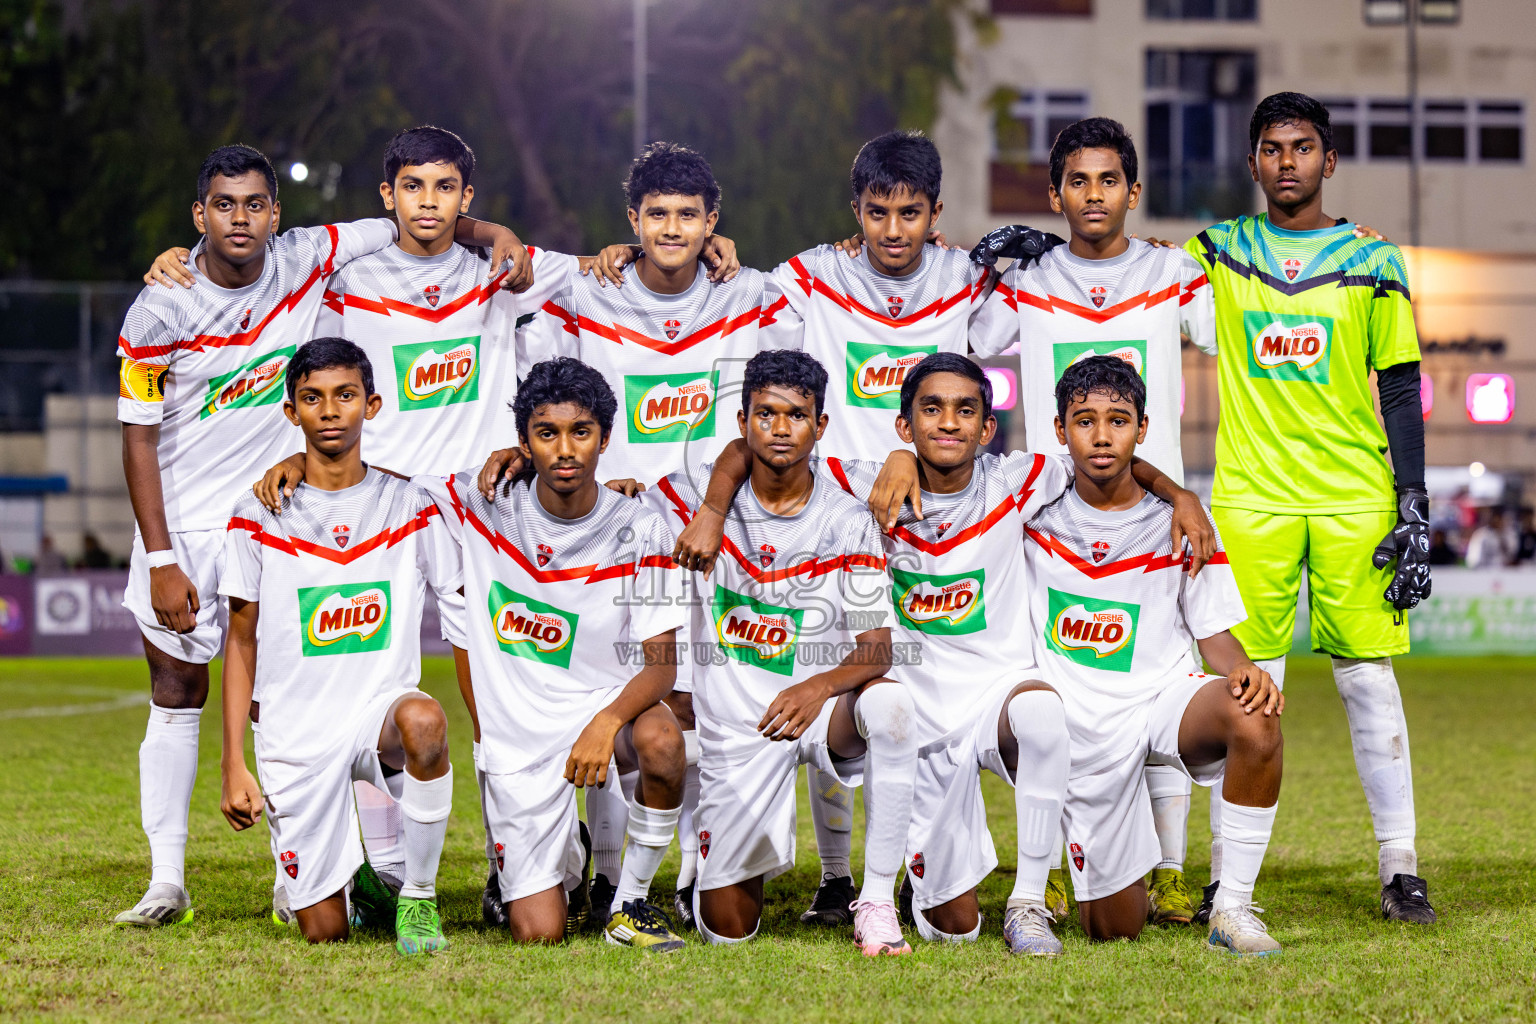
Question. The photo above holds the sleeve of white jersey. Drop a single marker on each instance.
(995, 320)
(855, 477)
(147, 348)
(656, 606)
(333, 308)
(785, 295)
(862, 585)
(240, 577)
(1197, 305)
(1037, 479)
(551, 333)
(1210, 602)
(351, 239)
(553, 273)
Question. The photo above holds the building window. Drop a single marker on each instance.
(1196, 152)
(1203, 10)
(1449, 130)
(1079, 8)
(1025, 124)
(1395, 12)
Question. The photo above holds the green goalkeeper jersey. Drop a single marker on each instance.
(1302, 318)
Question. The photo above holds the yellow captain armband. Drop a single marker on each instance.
(142, 382)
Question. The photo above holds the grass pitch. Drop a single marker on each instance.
(73, 856)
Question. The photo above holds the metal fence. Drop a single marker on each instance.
(57, 337)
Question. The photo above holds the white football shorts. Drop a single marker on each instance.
(533, 825)
(200, 553)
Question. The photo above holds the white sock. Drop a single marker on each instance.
(1039, 724)
(1397, 857)
(1245, 837)
(1378, 731)
(607, 818)
(926, 929)
(1170, 789)
(425, 807)
(650, 834)
(884, 716)
(167, 770)
(687, 832)
(832, 817)
(379, 816)
(485, 817)
(1276, 669)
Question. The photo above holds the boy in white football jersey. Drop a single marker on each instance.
(1115, 613)
(791, 672)
(202, 373)
(1106, 294)
(571, 634)
(324, 656)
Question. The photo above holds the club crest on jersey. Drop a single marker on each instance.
(941, 605)
(756, 632)
(875, 372)
(1077, 856)
(1092, 632)
(1292, 267)
(916, 866)
(1096, 295)
(526, 628)
(290, 861)
(245, 321)
(432, 293)
(1100, 549)
(765, 554)
(341, 533)
(348, 619)
(545, 554)
(704, 843)
(259, 382)
(501, 860)
(893, 306)
(943, 528)
(1287, 346)
(670, 407)
(671, 328)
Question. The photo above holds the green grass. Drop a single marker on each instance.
(73, 855)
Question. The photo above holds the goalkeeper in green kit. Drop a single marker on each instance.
(1305, 310)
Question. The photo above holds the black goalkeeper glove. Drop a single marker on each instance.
(1015, 241)
(1408, 542)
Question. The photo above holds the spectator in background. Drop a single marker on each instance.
(93, 555)
(1440, 550)
(1525, 546)
(1489, 547)
(48, 557)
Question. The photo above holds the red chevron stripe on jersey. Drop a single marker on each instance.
(1098, 316)
(386, 305)
(295, 546)
(1146, 563)
(816, 286)
(810, 569)
(1188, 295)
(571, 323)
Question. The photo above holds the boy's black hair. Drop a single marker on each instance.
(894, 160)
(944, 362)
(1290, 108)
(564, 379)
(323, 354)
(1101, 375)
(1093, 133)
(784, 368)
(231, 162)
(669, 169)
(427, 144)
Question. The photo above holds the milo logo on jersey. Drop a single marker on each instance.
(940, 605)
(349, 619)
(437, 373)
(670, 406)
(755, 632)
(526, 628)
(1067, 353)
(1288, 346)
(875, 372)
(1091, 632)
(258, 382)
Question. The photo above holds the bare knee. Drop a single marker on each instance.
(534, 932)
(957, 917)
(1257, 734)
(659, 744)
(423, 729)
(730, 912)
(681, 703)
(538, 919)
(174, 683)
(326, 921)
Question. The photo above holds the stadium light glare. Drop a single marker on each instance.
(1477, 469)
(1490, 397)
(298, 171)
(1005, 387)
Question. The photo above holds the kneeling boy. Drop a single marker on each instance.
(1115, 613)
(324, 655)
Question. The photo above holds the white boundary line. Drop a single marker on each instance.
(119, 702)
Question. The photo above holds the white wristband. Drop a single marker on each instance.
(160, 559)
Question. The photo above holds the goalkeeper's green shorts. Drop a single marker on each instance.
(1349, 617)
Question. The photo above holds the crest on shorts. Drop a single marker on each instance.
(545, 554)
(341, 533)
(671, 327)
(501, 859)
(290, 861)
(1077, 856)
(1292, 267)
(893, 306)
(1100, 551)
(704, 843)
(916, 867)
(432, 293)
(765, 554)
(245, 321)
(1096, 295)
